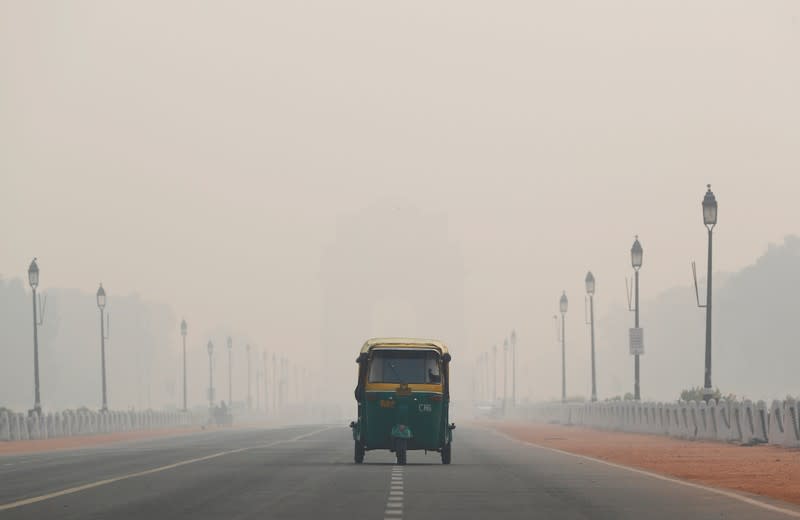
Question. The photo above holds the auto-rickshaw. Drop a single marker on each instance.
(403, 396)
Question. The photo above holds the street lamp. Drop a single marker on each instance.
(210, 375)
(249, 395)
(562, 305)
(184, 329)
(710, 220)
(590, 291)
(230, 371)
(636, 263)
(505, 374)
(494, 374)
(274, 383)
(486, 379)
(33, 279)
(513, 368)
(101, 304)
(266, 382)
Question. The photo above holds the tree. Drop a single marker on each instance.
(696, 394)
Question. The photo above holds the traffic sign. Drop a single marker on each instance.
(636, 337)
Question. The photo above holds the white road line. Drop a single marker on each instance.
(84, 487)
(729, 494)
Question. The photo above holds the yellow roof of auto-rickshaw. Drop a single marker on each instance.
(404, 343)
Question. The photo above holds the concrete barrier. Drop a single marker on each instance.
(5, 426)
(16, 427)
(724, 421)
(783, 426)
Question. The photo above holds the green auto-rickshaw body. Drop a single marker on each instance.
(403, 396)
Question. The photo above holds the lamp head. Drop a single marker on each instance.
(709, 209)
(101, 297)
(33, 274)
(563, 303)
(589, 283)
(636, 254)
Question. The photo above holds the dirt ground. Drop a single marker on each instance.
(762, 470)
(83, 441)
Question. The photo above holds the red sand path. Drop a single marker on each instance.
(85, 441)
(762, 470)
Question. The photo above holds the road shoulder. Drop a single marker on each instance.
(764, 471)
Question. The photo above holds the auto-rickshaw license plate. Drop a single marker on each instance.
(387, 403)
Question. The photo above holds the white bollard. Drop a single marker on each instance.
(5, 427)
(17, 427)
(775, 433)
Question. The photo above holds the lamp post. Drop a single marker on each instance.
(249, 395)
(494, 373)
(487, 392)
(266, 382)
(513, 368)
(590, 291)
(284, 381)
(274, 384)
(485, 375)
(184, 328)
(636, 263)
(230, 372)
(258, 389)
(710, 220)
(210, 375)
(505, 374)
(101, 304)
(33, 279)
(563, 304)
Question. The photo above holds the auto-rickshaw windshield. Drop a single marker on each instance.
(405, 366)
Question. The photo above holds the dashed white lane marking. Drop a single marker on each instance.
(394, 503)
(77, 489)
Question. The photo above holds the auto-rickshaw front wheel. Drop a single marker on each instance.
(400, 449)
(359, 452)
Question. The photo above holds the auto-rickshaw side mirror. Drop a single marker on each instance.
(447, 358)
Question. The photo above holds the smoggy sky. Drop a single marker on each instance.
(205, 154)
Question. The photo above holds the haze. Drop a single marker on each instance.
(304, 175)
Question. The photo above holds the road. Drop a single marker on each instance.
(307, 472)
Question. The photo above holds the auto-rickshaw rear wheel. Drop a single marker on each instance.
(446, 453)
(359, 452)
(400, 449)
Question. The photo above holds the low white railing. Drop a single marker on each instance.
(17, 426)
(726, 421)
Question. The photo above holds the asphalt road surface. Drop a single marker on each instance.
(307, 472)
